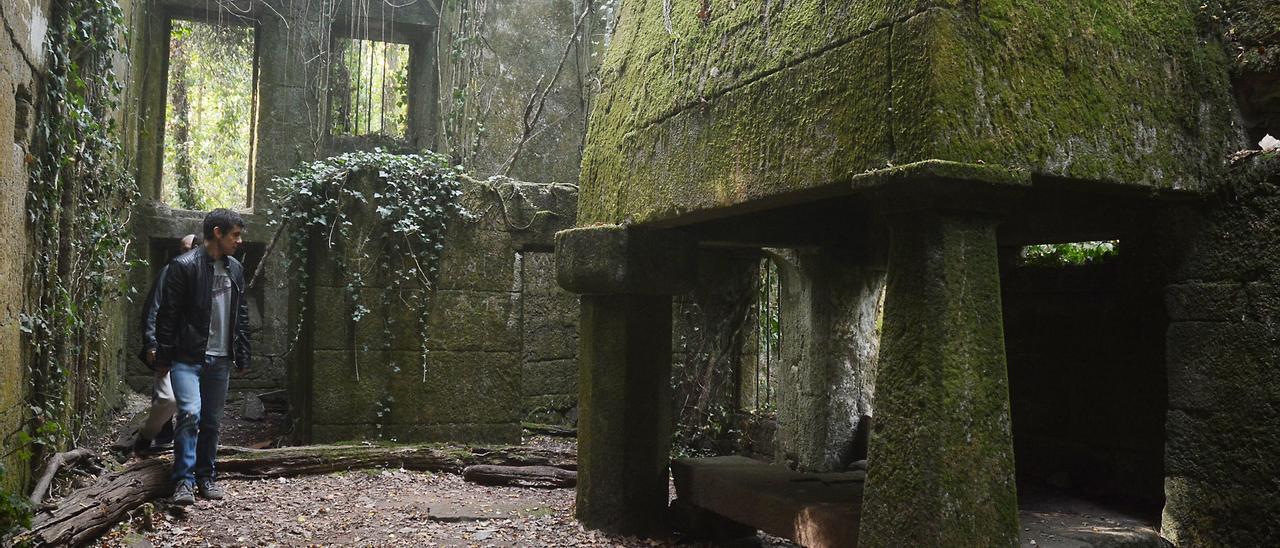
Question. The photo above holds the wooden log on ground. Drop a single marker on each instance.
(550, 476)
(51, 470)
(550, 429)
(84, 515)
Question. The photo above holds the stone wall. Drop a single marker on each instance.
(24, 25)
(21, 59)
(549, 336)
(1224, 368)
(500, 337)
(830, 348)
(522, 47)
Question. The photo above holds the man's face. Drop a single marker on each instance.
(187, 243)
(229, 242)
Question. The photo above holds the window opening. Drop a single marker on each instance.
(1069, 254)
(370, 86)
(768, 337)
(208, 116)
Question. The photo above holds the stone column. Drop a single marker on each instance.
(941, 457)
(626, 279)
(829, 349)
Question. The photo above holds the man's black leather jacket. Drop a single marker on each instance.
(182, 325)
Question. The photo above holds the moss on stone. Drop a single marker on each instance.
(764, 103)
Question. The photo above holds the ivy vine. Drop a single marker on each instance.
(77, 192)
(385, 215)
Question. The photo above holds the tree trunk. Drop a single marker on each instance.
(488, 474)
(183, 174)
(87, 513)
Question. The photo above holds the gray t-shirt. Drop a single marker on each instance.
(220, 312)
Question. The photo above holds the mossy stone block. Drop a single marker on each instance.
(555, 377)
(941, 453)
(758, 104)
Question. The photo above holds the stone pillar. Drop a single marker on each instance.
(941, 458)
(626, 279)
(829, 349)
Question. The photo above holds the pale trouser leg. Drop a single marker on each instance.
(163, 407)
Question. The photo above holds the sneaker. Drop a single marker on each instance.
(182, 495)
(141, 445)
(210, 490)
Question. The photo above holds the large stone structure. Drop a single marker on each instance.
(497, 337)
(924, 140)
(292, 41)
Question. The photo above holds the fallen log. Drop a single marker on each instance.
(87, 513)
(549, 476)
(51, 470)
(550, 429)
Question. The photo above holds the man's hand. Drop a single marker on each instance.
(151, 358)
(161, 372)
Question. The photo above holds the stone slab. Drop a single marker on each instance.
(816, 510)
(754, 104)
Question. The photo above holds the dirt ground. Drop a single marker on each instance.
(378, 507)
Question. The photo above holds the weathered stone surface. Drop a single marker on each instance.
(624, 433)
(1204, 302)
(539, 273)
(941, 453)
(523, 44)
(1223, 426)
(830, 349)
(550, 327)
(476, 258)
(557, 377)
(1248, 29)
(758, 101)
(16, 50)
(616, 260)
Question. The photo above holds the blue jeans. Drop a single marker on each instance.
(201, 393)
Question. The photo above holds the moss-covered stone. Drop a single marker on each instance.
(941, 454)
(766, 102)
(1223, 352)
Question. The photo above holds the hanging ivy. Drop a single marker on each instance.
(384, 214)
(76, 196)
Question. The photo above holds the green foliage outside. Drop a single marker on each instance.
(208, 116)
(1077, 253)
(369, 88)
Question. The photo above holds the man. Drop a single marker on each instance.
(157, 431)
(202, 327)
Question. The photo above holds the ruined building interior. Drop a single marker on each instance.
(874, 272)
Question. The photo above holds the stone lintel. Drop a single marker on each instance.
(618, 260)
(943, 185)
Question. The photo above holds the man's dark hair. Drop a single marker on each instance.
(221, 218)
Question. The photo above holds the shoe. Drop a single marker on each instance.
(182, 495)
(210, 490)
(141, 445)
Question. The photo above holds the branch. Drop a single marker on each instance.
(51, 469)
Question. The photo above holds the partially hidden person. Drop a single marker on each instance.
(156, 433)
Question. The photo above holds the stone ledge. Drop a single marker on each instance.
(616, 260)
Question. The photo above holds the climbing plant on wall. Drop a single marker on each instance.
(373, 214)
(76, 195)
